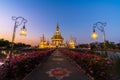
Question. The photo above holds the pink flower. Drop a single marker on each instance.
(108, 62)
(91, 71)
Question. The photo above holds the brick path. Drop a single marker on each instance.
(57, 67)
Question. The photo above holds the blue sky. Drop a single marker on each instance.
(74, 17)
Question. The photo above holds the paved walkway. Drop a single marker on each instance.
(57, 67)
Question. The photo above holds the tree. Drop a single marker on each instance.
(4, 43)
(83, 46)
(110, 45)
(21, 45)
(118, 45)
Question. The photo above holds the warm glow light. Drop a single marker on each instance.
(94, 35)
(23, 32)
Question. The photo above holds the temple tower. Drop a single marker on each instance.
(42, 42)
(57, 39)
(71, 42)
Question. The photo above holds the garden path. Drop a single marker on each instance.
(57, 67)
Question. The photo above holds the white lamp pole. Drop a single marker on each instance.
(100, 26)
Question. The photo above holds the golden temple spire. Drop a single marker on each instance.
(43, 37)
(71, 42)
(71, 37)
(57, 27)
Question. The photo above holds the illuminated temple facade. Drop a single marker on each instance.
(56, 41)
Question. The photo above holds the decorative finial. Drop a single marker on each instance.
(57, 27)
(43, 36)
(71, 37)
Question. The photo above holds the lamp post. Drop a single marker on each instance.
(18, 21)
(100, 26)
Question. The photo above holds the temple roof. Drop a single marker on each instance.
(57, 34)
(57, 37)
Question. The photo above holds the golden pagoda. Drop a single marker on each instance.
(71, 42)
(57, 39)
(42, 42)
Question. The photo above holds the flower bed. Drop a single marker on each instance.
(22, 64)
(97, 67)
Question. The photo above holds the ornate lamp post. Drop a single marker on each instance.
(18, 21)
(100, 26)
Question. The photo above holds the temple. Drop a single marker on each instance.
(56, 41)
(71, 42)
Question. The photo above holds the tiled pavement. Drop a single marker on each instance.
(57, 67)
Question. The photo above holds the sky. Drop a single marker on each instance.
(75, 17)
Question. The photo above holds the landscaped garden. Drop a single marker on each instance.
(95, 66)
(91, 64)
(22, 64)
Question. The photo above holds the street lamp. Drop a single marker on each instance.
(94, 34)
(100, 26)
(23, 31)
(18, 21)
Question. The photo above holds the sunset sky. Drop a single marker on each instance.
(74, 17)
